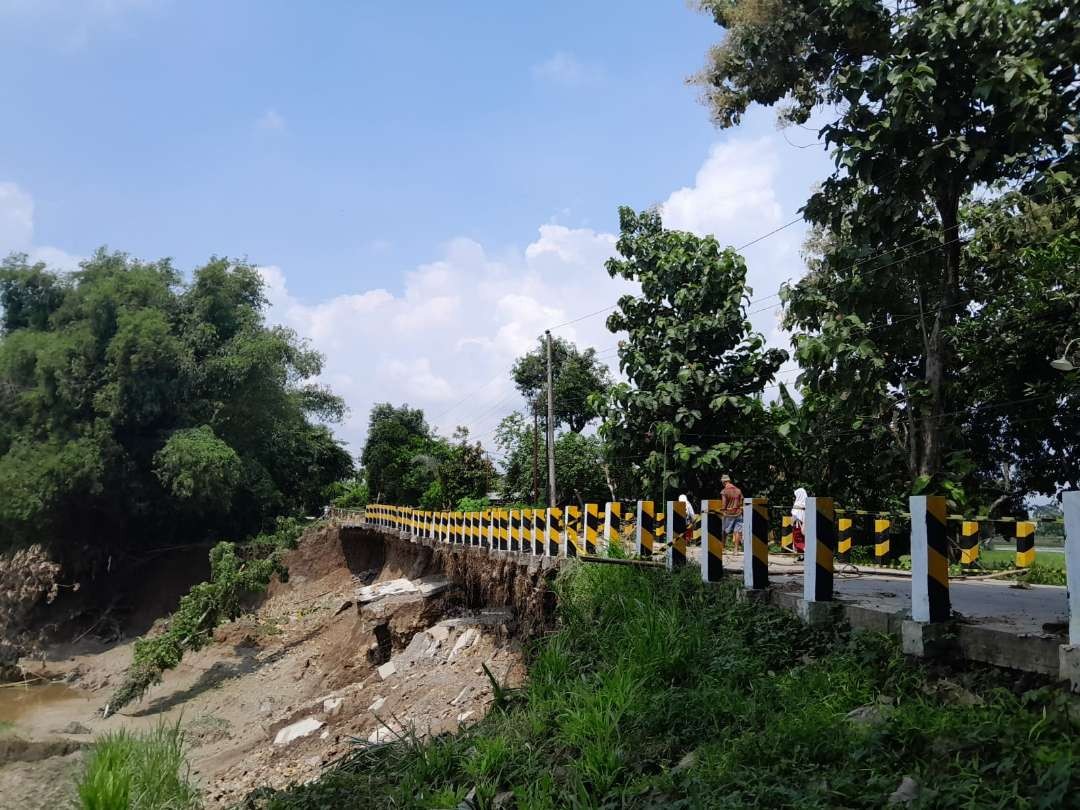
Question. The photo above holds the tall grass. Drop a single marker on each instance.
(657, 691)
(129, 771)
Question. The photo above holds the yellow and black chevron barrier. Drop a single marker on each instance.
(844, 532)
(820, 530)
(712, 540)
(646, 529)
(573, 528)
(539, 531)
(676, 525)
(969, 542)
(515, 530)
(882, 528)
(1025, 543)
(592, 528)
(612, 525)
(756, 532)
(555, 528)
(929, 559)
(787, 533)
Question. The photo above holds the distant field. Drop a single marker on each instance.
(1005, 556)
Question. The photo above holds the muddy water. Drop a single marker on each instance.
(20, 705)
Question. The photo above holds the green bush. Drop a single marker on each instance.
(129, 771)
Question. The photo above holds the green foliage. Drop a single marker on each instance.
(581, 467)
(647, 668)
(466, 472)
(406, 463)
(135, 406)
(198, 468)
(691, 409)
(576, 377)
(126, 770)
(233, 578)
(350, 494)
(472, 504)
(927, 107)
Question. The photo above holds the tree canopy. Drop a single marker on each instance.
(141, 409)
(576, 376)
(691, 409)
(953, 128)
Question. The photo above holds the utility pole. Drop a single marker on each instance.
(550, 425)
(536, 449)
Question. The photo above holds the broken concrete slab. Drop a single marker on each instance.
(818, 614)
(377, 704)
(387, 670)
(294, 731)
(332, 706)
(465, 640)
(370, 593)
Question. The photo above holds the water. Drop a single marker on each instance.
(20, 702)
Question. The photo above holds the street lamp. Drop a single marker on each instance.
(1063, 363)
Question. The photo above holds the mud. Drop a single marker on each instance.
(327, 651)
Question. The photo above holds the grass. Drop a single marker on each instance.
(656, 691)
(129, 771)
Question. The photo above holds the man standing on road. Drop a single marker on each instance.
(732, 505)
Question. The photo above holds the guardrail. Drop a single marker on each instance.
(594, 529)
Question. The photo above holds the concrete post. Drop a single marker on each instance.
(969, 542)
(539, 531)
(645, 533)
(1025, 543)
(612, 525)
(515, 530)
(755, 543)
(1069, 654)
(929, 559)
(676, 527)
(592, 528)
(881, 538)
(820, 530)
(712, 541)
(843, 536)
(555, 528)
(571, 535)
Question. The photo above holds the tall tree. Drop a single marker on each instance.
(924, 104)
(692, 408)
(576, 376)
(398, 444)
(139, 409)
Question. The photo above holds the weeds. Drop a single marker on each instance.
(647, 668)
(127, 771)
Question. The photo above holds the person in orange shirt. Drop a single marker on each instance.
(732, 506)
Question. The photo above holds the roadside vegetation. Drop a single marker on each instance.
(237, 573)
(137, 771)
(657, 691)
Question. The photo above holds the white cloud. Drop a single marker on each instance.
(270, 121)
(734, 193)
(455, 328)
(445, 342)
(566, 69)
(17, 230)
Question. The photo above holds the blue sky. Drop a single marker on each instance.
(426, 185)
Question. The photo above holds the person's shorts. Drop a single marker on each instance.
(732, 524)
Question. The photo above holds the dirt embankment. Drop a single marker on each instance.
(370, 638)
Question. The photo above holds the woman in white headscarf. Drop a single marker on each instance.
(798, 518)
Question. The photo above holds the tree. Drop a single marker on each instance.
(396, 437)
(692, 408)
(576, 376)
(926, 103)
(466, 471)
(139, 409)
(581, 468)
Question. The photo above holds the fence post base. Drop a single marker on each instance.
(927, 640)
(818, 614)
(754, 595)
(1069, 665)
